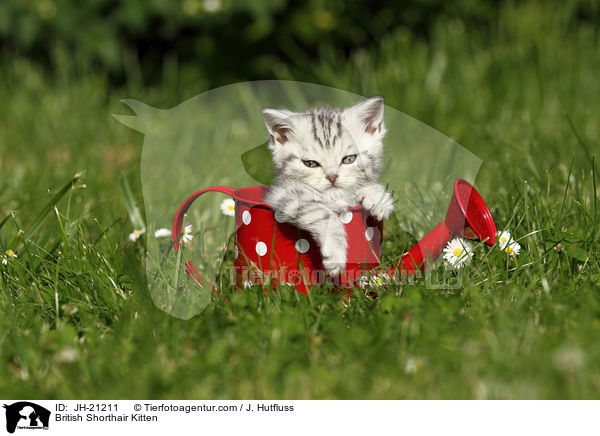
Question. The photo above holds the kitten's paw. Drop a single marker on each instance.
(334, 260)
(333, 267)
(380, 205)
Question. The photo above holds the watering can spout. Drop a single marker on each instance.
(468, 216)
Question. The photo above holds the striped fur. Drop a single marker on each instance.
(307, 197)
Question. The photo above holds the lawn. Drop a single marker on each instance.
(77, 320)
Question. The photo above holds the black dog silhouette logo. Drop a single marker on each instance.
(26, 415)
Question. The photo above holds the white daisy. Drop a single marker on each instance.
(508, 244)
(380, 279)
(162, 233)
(504, 239)
(247, 284)
(187, 234)
(458, 252)
(363, 282)
(135, 235)
(366, 281)
(513, 249)
(10, 255)
(413, 365)
(228, 207)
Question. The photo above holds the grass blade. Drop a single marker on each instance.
(48, 208)
(134, 212)
(580, 140)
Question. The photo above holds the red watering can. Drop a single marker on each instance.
(267, 250)
(468, 216)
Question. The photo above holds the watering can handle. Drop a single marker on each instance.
(178, 221)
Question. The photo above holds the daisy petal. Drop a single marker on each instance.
(187, 234)
(162, 233)
(513, 249)
(504, 239)
(458, 252)
(228, 207)
(135, 235)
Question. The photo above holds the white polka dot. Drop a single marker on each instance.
(302, 245)
(261, 248)
(279, 217)
(369, 233)
(346, 217)
(236, 251)
(246, 217)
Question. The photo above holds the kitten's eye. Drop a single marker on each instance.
(311, 163)
(349, 159)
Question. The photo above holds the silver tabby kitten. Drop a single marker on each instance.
(325, 161)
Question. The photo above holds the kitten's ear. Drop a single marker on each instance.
(370, 112)
(277, 124)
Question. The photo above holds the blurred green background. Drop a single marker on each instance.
(515, 82)
(214, 42)
(209, 43)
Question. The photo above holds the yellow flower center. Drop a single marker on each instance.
(379, 280)
(10, 253)
(457, 252)
(503, 239)
(230, 207)
(509, 250)
(138, 232)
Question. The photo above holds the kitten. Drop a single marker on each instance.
(327, 160)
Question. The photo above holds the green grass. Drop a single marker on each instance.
(77, 321)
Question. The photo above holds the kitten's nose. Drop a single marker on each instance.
(332, 179)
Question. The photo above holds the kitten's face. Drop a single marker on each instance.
(328, 149)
